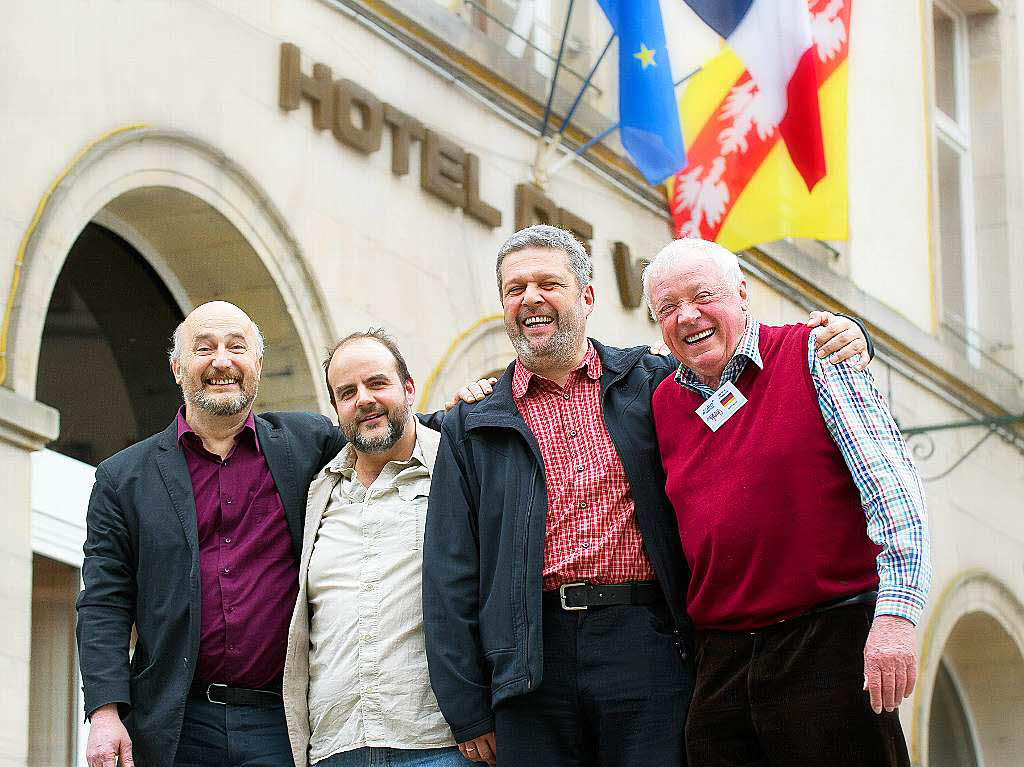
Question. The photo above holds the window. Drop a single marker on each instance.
(970, 120)
(956, 244)
(531, 30)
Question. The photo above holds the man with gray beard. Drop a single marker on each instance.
(356, 688)
(192, 539)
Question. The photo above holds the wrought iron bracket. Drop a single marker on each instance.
(922, 445)
(990, 421)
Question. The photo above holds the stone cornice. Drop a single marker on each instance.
(26, 423)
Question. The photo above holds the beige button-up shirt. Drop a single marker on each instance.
(364, 681)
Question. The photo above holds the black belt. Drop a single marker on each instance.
(863, 598)
(237, 696)
(580, 596)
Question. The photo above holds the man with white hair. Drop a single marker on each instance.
(802, 519)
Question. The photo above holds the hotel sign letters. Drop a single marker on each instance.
(358, 119)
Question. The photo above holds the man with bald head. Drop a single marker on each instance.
(193, 538)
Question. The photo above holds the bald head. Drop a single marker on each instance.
(217, 359)
(212, 311)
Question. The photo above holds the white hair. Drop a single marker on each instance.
(677, 250)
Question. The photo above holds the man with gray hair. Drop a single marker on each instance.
(810, 564)
(553, 579)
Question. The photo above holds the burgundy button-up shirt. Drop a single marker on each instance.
(248, 576)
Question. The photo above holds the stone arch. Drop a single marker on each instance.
(977, 632)
(479, 350)
(207, 228)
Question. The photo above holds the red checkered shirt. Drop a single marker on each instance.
(591, 534)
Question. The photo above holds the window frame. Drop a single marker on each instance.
(954, 131)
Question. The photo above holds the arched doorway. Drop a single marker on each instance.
(102, 361)
(977, 697)
(967, 708)
(951, 738)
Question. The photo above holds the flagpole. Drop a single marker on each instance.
(570, 157)
(558, 66)
(586, 84)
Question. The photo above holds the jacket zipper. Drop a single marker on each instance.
(529, 509)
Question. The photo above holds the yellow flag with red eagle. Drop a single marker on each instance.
(740, 187)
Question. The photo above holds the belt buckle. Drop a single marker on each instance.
(210, 687)
(561, 595)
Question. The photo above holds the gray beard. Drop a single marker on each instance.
(220, 407)
(558, 351)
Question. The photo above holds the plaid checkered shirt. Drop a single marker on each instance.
(592, 533)
(858, 418)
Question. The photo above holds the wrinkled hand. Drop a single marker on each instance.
(481, 749)
(840, 340)
(108, 739)
(660, 347)
(474, 392)
(890, 662)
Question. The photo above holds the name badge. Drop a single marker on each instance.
(721, 406)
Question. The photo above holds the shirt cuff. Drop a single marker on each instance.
(903, 602)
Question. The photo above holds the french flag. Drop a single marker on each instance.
(773, 39)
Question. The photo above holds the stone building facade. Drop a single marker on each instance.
(334, 164)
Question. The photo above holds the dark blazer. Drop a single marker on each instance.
(483, 552)
(141, 568)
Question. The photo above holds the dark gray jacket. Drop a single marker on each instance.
(142, 567)
(483, 551)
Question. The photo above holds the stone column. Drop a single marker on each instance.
(25, 426)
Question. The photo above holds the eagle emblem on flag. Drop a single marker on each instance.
(738, 156)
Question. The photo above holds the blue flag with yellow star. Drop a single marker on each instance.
(648, 113)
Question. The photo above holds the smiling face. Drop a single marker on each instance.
(545, 312)
(702, 318)
(219, 368)
(374, 405)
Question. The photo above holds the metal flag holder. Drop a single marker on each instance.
(545, 167)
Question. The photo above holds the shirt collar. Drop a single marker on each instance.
(522, 376)
(249, 427)
(748, 349)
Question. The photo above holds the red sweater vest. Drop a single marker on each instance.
(769, 517)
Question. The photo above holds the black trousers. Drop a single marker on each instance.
(614, 693)
(790, 695)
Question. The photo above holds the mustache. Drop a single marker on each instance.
(369, 411)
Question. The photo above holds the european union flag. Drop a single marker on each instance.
(648, 113)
